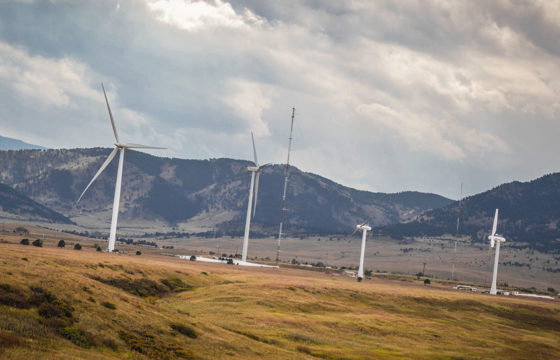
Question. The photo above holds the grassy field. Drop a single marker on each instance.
(61, 303)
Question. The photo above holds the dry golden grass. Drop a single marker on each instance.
(251, 313)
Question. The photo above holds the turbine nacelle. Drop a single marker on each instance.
(495, 238)
(363, 227)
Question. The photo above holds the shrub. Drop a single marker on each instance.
(138, 252)
(98, 248)
(77, 247)
(61, 244)
(76, 336)
(21, 230)
(37, 242)
(192, 258)
(427, 282)
(12, 297)
(109, 305)
(24, 242)
(185, 330)
(147, 344)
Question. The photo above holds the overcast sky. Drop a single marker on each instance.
(389, 95)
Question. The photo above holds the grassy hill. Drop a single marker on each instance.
(70, 304)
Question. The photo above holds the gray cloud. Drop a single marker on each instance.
(390, 96)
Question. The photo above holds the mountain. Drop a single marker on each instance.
(200, 193)
(529, 215)
(15, 144)
(16, 206)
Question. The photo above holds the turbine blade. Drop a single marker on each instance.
(140, 146)
(495, 226)
(254, 150)
(107, 161)
(110, 115)
(256, 192)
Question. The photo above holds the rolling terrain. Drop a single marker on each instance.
(68, 304)
(197, 195)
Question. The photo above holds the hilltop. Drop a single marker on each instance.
(529, 215)
(7, 143)
(198, 194)
(69, 304)
(16, 206)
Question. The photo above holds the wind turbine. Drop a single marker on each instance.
(118, 147)
(364, 227)
(255, 173)
(495, 239)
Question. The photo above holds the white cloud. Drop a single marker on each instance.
(49, 81)
(193, 15)
(248, 101)
(402, 90)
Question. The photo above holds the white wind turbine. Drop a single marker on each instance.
(364, 227)
(255, 172)
(122, 148)
(495, 239)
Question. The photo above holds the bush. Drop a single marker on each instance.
(138, 252)
(76, 336)
(185, 330)
(12, 297)
(427, 282)
(61, 244)
(77, 247)
(21, 230)
(98, 248)
(38, 243)
(109, 305)
(192, 258)
(24, 242)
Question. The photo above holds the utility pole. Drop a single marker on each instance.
(424, 270)
(285, 187)
(457, 233)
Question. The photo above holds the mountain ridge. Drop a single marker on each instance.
(7, 144)
(529, 215)
(214, 191)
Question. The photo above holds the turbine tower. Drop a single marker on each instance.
(255, 173)
(364, 227)
(495, 239)
(119, 147)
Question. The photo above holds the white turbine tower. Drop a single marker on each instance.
(495, 239)
(255, 172)
(364, 227)
(118, 147)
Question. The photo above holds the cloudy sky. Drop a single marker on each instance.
(389, 95)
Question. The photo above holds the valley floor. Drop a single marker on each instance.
(61, 303)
